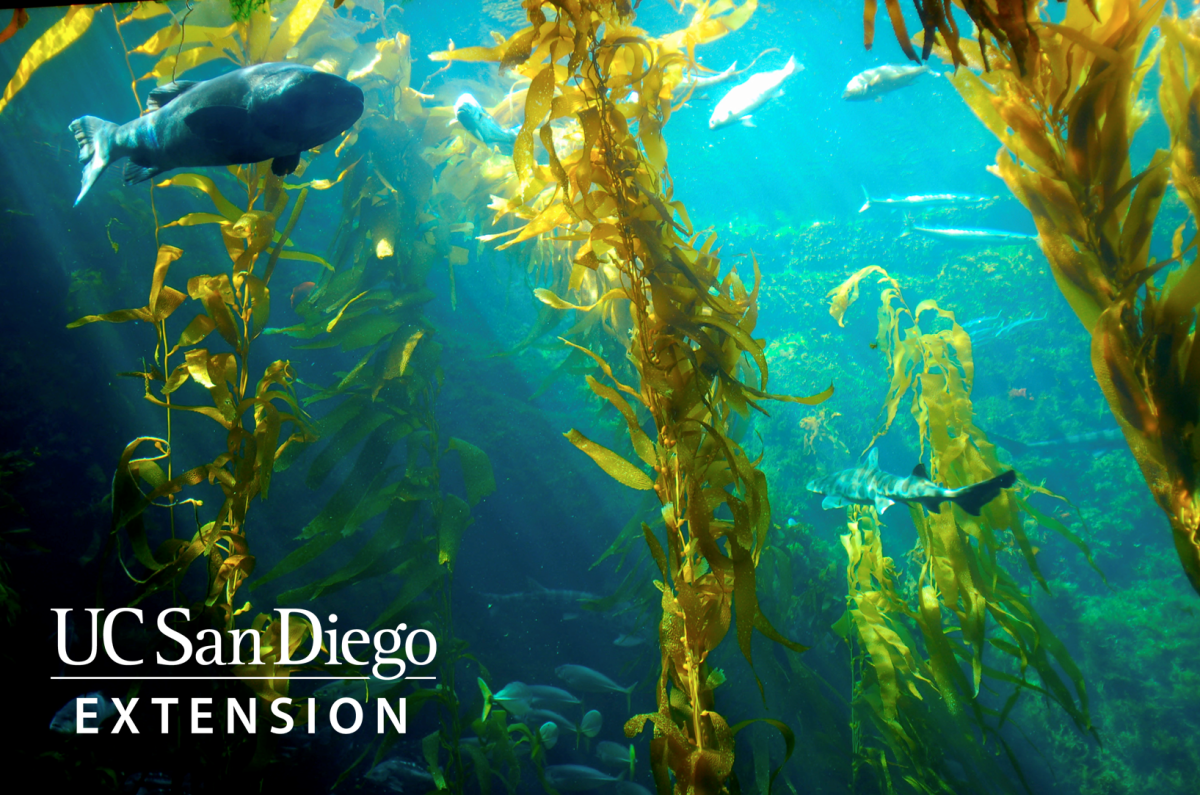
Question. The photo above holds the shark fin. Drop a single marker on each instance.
(972, 498)
(882, 503)
(919, 471)
(873, 458)
(834, 501)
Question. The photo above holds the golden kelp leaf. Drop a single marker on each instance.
(292, 28)
(842, 296)
(62, 34)
(337, 319)
(225, 207)
(617, 467)
(641, 442)
(256, 33)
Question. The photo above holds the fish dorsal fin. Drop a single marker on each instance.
(163, 94)
(919, 471)
(534, 585)
(873, 458)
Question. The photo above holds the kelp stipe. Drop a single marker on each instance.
(684, 327)
(1066, 124)
(961, 578)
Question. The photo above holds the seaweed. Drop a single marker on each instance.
(1066, 126)
(642, 277)
(961, 581)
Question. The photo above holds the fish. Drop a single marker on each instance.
(970, 235)
(695, 82)
(631, 788)
(575, 778)
(1106, 439)
(538, 598)
(867, 484)
(64, 721)
(745, 98)
(628, 641)
(1023, 392)
(583, 678)
(481, 124)
(873, 83)
(591, 724)
(925, 200)
(542, 695)
(548, 734)
(301, 292)
(617, 755)
(270, 111)
(394, 774)
(513, 697)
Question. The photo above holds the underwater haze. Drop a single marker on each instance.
(667, 397)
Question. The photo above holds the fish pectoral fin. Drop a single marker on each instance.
(748, 121)
(285, 164)
(834, 501)
(163, 94)
(135, 173)
(883, 503)
(224, 123)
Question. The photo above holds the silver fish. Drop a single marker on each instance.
(742, 100)
(924, 200)
(271, 111)
(615, 754)
(1106, 439)
(878, 81)
(695, 82)
(867, 484)
(542, 695)
(575, 778)
(972, 235)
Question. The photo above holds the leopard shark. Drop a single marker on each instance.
(867, 484)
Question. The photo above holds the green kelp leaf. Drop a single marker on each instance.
(477, 470)
(1048, 521)
(617, 467)
(357, 424)
(420, 576)
(367, 471)
(298, 559)
(789, 741)
(455, 517)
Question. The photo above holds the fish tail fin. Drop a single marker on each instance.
(907, 226)
(972, 498)
(629, 697)
(866, 200)
(791, 67)
(487, 697)
(94, 137)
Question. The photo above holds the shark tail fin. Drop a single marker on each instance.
(972, 498)
(866, 200)
(94, 137)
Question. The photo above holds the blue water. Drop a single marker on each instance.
(787, 190)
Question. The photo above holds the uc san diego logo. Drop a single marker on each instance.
(264, 657)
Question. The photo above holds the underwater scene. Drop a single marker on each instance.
(616, 396)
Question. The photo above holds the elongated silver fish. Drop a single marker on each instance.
(698, 82)
(575, 778)
(972, 235)
(745, 98)
(1106, 439)
(867, 484)
(481, 124)
(924, 200)
(878, 81)
(271, 111)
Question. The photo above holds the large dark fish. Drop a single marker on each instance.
(272, 111)
(479, 122)
(870, 485)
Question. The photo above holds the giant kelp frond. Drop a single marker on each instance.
(62, 34)
(659, 291)
(1066, 127)
(962, 580)
(1006, 26)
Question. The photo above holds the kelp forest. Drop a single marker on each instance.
(507, 375)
